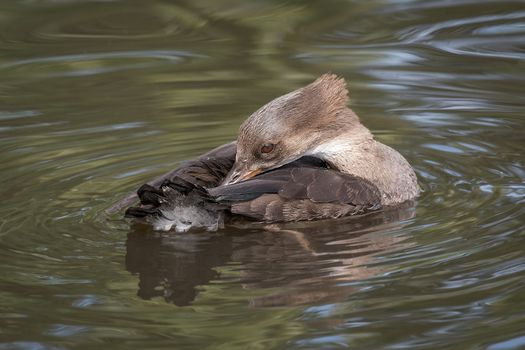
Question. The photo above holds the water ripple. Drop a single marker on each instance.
(98, 97)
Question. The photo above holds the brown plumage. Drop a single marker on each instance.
(302, 190)
(305, 189)
(302, 156)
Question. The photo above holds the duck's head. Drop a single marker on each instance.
(291, 126)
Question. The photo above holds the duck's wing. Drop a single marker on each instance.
(306, 189)
(303, 190)
(208, 170)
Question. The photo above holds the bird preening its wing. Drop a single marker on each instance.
(306, 189)
(302, 156)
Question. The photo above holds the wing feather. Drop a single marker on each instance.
(306, 189)
(206, 171)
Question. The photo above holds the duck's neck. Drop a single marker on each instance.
(356, 152)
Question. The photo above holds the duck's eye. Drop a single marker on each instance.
(267, 148)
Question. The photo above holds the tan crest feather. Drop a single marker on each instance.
(331, 89)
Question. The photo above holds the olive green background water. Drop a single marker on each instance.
(97, 97)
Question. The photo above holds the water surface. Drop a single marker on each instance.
(97, 97)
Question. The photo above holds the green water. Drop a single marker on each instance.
(97, 97)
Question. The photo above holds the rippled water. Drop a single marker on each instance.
(97, 97)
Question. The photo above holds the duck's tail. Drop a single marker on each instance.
(178, 204)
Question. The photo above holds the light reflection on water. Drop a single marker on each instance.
(98, 97)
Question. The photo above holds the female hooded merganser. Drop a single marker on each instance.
(302, 156)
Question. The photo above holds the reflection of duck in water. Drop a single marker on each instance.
(307, 263)
(302, 156)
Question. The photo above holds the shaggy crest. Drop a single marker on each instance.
(315, 106)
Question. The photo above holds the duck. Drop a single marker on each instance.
(302, 156)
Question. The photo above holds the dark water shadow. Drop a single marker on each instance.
(308, 262)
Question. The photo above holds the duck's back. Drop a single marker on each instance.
(306, 189)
